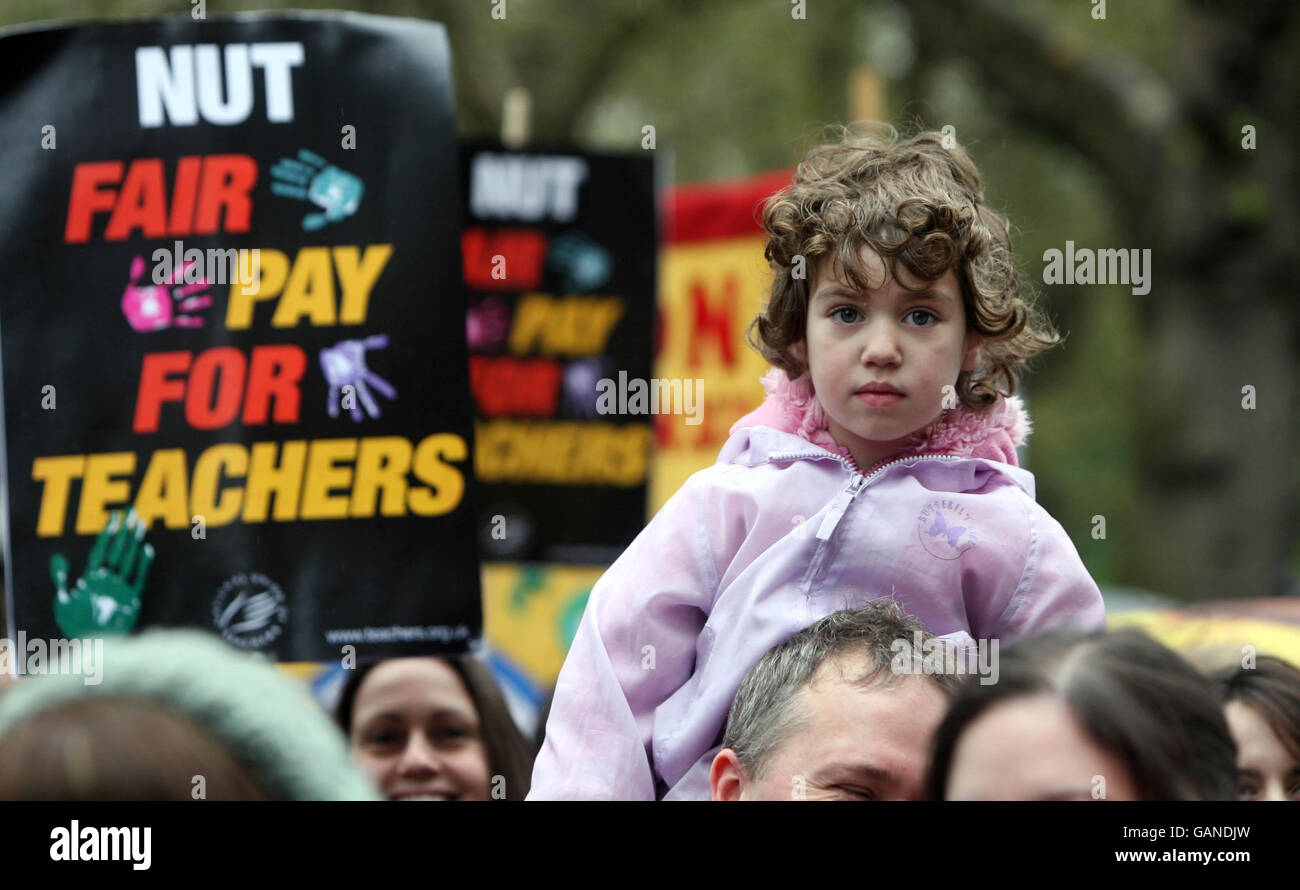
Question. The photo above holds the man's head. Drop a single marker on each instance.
(823, 717)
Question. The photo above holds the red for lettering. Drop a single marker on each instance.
(520, 387)
(200, 413)
(157, 386)
(218, 382)
(274, 374)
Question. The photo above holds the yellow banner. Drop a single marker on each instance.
(709, 293)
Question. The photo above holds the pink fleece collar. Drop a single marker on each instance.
(792, 407)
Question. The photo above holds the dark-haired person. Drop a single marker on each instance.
(1262, 707)
(1115, 716)
(434, 728)
(824, 715)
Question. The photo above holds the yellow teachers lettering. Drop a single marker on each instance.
(561, 452)
(281, 482)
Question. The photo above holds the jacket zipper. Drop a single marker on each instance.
(840, 505)
(842, 501)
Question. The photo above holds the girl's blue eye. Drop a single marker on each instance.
(837, 314)
(925, 313)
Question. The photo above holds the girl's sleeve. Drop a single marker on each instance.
(1037, 584)
(634, 647)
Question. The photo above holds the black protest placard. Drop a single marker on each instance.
(559, 255)
(235, 387)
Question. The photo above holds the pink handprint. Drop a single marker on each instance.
(155, 307)
(486, 324)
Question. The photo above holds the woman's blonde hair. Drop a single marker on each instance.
(909, 198)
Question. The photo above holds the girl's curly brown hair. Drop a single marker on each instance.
(910, 199)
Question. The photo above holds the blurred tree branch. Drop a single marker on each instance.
(1059, 86)
(535, 48)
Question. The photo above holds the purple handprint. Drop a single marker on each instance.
(344, 364)
(580, 385)
(156, 307)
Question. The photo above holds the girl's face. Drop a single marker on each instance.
(416, 732)
(1033, 748)
(880, 360)
(1266, 770)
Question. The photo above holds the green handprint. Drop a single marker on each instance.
(103, 599)
(532, 579)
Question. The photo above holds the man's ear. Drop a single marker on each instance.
(974, 353)
(726, 776)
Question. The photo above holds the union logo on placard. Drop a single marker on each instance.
(945, 529)
(250, 610)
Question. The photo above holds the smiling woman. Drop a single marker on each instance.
(433, 728)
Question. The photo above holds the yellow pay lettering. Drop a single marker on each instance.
(306, 290)
(572, 326)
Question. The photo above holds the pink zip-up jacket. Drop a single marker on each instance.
(781, 531)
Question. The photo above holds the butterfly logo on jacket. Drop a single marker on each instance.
(946, 530)
(941, 527)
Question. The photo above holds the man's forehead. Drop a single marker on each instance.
(846, 722)
(849, 667)
(845, 688)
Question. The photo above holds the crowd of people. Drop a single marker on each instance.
(833, 713)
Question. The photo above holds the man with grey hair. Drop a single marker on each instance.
(827, 716)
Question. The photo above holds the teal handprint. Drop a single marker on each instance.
(312, 178)
(106, 598)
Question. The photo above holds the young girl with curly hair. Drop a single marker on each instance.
(882, 462)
